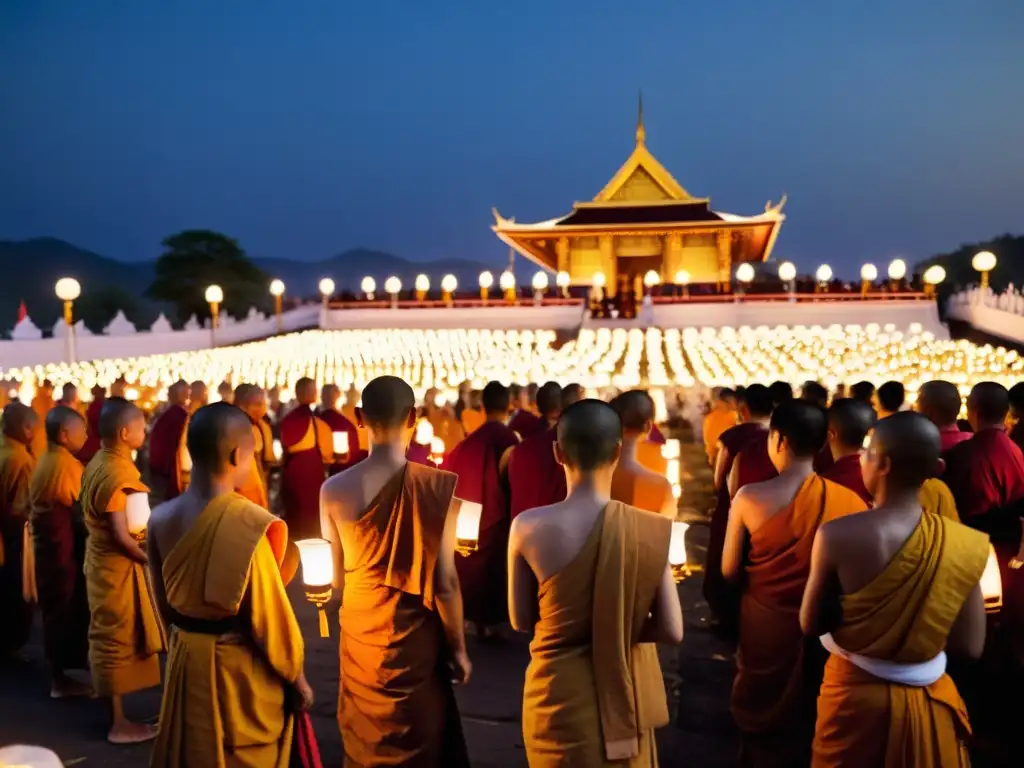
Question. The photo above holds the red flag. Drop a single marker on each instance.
(22, 311)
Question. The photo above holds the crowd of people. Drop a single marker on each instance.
(847, 546)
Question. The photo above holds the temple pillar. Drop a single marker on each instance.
(608, 264)
(672, 257)
(724, 237)
(562, 252)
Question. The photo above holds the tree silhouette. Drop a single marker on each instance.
(197, 258)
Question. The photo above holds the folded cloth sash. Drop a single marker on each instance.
(918, 675)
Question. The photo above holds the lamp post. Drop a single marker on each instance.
(744, 276)
(214, 297)
(932, 276)
(787, 274)
(68, 289)
(562, 281)
(317, 575)
(984, 262)
(369, 287)
(448, 286)
(393, 287)
(683, 280)
(540, 285)
(422, 287)
(507, 283)
(897, 271)
(824, 275)
(868, 275)
(277, 291)
(651, 279)
(485, 282)
(326, 287)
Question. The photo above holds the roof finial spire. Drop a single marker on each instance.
(641, 134)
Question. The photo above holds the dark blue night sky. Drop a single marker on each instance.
(310, 126)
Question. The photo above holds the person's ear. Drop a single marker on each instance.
(410, 420)
(359, 418)
(559, 456)
(233, 457)
(885, 465)
(648, 426)
(940, 467)
(830, 437)
(616, 453)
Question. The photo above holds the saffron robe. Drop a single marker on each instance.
(935, 497)
(125, 633)
(58, 538)
(648, 455)
(396, 705)
(904, 615)
(92, 439)
(593, 694)
(985, 473)
(476, 461)
(754, 465)
(165, 453)
(524, 424)
(645, 492)
(448, 428)
(254, 486)
(847, 472)
(42, 405)
(339, 423)
(308, 447)
(16, 466)
(535, 478)
(724, 598)
(777, 670)
(719, 419)
(236, 645)
(472, 419)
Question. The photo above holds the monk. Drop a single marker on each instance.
(632, 483)
(165, 442)
(755, 410)
(472, 415)
(849, 422)
(480, 462)
(392, 528)
(721, 416)
(308, 446)
(768, 544)
(119, 387)
(235, 670)
(863, 391)
(58, 539)
(590, 578)
(446, 426)
(754, 465)
(69, 397)
(522, 421)
(125, 633)
(781, 392)
(985, 473)
(531, 398)
(92, 420)
(891, 592)
(19, 425)
(225, 392)
(889, 399)
(198, 395)
(328, 412)
(41, 404)
(535, 478)
(815, 393)
(940, 402)
(349, 412)
(572, 393)
(252, 400)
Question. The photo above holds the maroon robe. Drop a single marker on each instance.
(302, 475)
(535, 478)
(92, 440)
(846, 472)
(418, 453)
(724, 598)
(525, 424)
(755, 466)
(985, 473)
(952, 436)
(656, 436)
(476, 461)
(339, 423)
(164, 445)
(823, 460)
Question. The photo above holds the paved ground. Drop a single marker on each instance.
(698, 674)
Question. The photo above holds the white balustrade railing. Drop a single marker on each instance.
(996, 314)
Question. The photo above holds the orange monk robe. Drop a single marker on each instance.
(593, 694)
(58, 536)
(235, 646)
(775, 687)
(846, 472)
(125, 633)
(648, 454)
(254, 486)
(904, 615)
(651, 494)
(42, 405)
(395, 702)
(92, 440)
(448, 428)
(165, 440)
(349, 412)
(719, 419)
(16, 466)
(472, 419)
(935, 497)
(308, 446)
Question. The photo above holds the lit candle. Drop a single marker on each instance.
(278, 450)
(677, 551)
(317, 575)
(136, 509)
(467, 527)
(672, 471)
(340, 443)
(992, 583)
(670, 450)
(436, 450)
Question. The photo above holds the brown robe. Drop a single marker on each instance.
(16, 466)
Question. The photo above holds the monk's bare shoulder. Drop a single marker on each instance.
(343, 484)
(534, 522)
(165, 512)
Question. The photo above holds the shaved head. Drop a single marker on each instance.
(118, 387)
(781, 391)
(987, 405)
(387, 402)
(117, 415)
(18, 422)
(850, 421)
(497, 398)
(862, 390)
(909, 443)
(330, 394)
(69, 393)
(46, 386)
(198, 394)
(63, 420)
(813, 392)
(217, 435)
(571, 393)
(940, 401)
(305, 391)
(589, 435)
(803, 425)
(177, 393)
(757, 400)
(549, 399)
(635, 409)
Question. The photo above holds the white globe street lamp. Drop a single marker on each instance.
(507, 283)
(932, 277)
(562, 280)
(277, 291)
(448, 286)
(984, 262)
(422, 287)
(868, 275)
(823, 275)
(485, 281)
(393, 287)
(68, 289)
(369, 287)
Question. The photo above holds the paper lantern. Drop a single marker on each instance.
(136, 510)
(467, 527)
(787, 271)
(278, 450)
(992, 583)
(340, 443)
(670, 449)
(677, 551)
(317, 575)
(672, 471)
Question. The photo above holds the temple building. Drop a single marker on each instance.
(644, 220)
